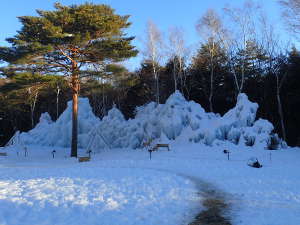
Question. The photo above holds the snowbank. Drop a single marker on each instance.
(177, 120)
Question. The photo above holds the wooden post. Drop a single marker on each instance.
(25, 152)
(53, 153)
(89, 152)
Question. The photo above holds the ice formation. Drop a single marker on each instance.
(58, 133)
(177, 120)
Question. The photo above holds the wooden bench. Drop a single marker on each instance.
(162, 146)
(157, 146)
(84, 159)
(3, 154)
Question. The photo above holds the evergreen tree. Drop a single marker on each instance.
(67, 41)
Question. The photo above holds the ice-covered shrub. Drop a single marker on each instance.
(222, 132)
(198, 137)
(234, 135)
(249, 140)
(274, 142)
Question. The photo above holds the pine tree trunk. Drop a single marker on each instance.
(75, 88)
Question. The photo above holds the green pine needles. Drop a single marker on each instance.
(67, 41)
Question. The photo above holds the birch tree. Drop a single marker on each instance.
(153, 52)
(177, 52)
(210, 28)
(272, 47)
(243, 20)
(57, 91)
(291, 14)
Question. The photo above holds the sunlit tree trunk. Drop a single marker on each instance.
(75, 89)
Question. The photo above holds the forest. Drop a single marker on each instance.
(240, 50)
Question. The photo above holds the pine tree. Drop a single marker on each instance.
(67, 41)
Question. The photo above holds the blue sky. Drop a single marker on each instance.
(165, 13)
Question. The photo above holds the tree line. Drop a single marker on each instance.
(251, 58)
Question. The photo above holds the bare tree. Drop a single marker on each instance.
(177, 52)
(272, 46)
(57, 91)
(291, 13)
(32, 97)
(153, 52)
(243, 19)
(210, 28)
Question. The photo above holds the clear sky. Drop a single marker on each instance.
(165, 13)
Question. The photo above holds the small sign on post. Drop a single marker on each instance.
(53, 153)
(150, 152)
(89, 152)
(227, 152)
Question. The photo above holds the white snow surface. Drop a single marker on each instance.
(58, 133)
(121, 186)
(177, 119)
(124, 187)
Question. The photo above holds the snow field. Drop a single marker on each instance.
(85, 195)
(122, 186)
(266, 196)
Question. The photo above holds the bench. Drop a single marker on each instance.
(3, 154)
(157, 146)
(84, 159)
(162, 146)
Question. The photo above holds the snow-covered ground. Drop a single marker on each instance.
(122, 186)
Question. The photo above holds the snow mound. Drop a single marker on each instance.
(58, 133)
(177, 120)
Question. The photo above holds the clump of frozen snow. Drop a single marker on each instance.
(116, 132)
(177, 120)
(243, 114)
(58, 133)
